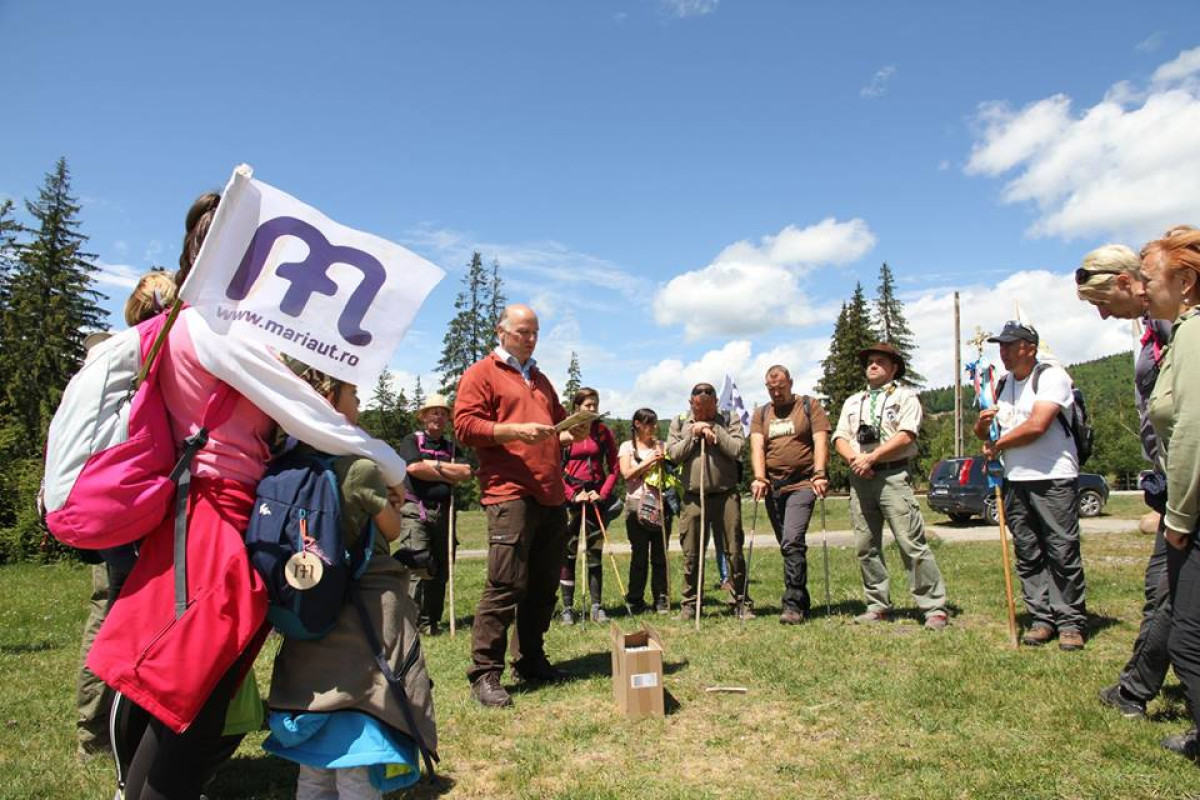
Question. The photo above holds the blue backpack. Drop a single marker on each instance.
(297, 510)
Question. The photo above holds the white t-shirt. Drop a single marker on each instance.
(1052, 455)
(635, 487)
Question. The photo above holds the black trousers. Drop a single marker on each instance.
(1143, 676)
(1183, 574)
(646, 548)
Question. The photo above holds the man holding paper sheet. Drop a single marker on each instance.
(507, 409)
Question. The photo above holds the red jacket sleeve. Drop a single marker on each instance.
(609, 443)
(474, 416)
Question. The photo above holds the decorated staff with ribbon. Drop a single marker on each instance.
(434, 469)
(1041, 485)
(877, 436)
(983, 377)
(707, 445)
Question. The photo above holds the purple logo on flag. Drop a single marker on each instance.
(310, 276)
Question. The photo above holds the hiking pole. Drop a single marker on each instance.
(612, 558)
(1008, 584)
(666, 540)
(450, 556)
(581, 552)
(749, 561)
(825, 556)
(701, 545)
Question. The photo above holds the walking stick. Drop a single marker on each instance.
(825, 556)
(1008, 582)
(450, 556)
(701, 547)
(662, 515)
(749, 560)
(581, 552)
(612, 558)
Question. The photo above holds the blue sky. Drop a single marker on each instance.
(682, 189)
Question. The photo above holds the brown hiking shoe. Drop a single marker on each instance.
(871, 617)
(743, 611)
(1070, 640)
(489, 693)
(537, 670)
(1038, 635)
(791, 616)
(686, 613)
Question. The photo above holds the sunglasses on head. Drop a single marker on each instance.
(699, 390)
(1083, 275)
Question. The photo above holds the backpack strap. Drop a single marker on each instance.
(396, 682)
(1038, 369)
(218, 409)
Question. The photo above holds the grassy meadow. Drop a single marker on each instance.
(833, 710)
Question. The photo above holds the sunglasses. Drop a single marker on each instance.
(1082, 275)
(704, 390)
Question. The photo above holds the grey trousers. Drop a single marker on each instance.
(1143, 676)
(789, 514)
(888, 497)
(1044, 519)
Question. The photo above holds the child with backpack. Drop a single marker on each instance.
(350, 731)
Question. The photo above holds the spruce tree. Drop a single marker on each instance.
(574, 378)
(842, 371)
(388, 418)
(418, 396)
(50, 309)
(471, 333)
(891, 324)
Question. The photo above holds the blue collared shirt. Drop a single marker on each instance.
(525, 369)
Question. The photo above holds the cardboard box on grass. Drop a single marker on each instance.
(637, 667)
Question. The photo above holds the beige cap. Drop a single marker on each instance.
(434, 400)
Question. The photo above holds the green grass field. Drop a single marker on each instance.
(833, 710)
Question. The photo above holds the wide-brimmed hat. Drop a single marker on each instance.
(1016, 331)
(434, 400)
(887, 350)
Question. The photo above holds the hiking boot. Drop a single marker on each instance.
(1113, 697)
(687, 612)
(937, 621)
(743, 611)
(598, 614)
(1070, 640)
(537, 670)
(568, 616)
(486, 689)
(662, 605)
(1038, 635)
(638, 608)
(1182, 743)
(871, 617)
(791, 616)
(428, 628)
(727, 586)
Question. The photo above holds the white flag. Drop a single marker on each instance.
(731, 400)
(277, 271)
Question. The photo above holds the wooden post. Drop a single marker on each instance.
(701, 549)
(958, 409)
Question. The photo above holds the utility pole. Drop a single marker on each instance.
(958, 410)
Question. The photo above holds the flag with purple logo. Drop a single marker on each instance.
(731, 401)
(277, 271)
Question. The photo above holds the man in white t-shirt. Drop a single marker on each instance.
(1041, 486)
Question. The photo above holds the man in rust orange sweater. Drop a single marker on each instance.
(506, 409)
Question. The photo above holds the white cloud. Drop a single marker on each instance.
(879, 83)
(689, 8)
(1071, 329)
(751, 288)
(1124, 167)
(1151, 42)
(122, 276)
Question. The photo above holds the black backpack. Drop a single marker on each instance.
(1078, 427)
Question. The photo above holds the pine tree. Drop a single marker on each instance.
(842, 371)
(574, 378)
(471, 334)
(418, 396)
(388, 418)
(890, 322)
(50, 308)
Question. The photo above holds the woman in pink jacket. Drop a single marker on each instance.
(184, 670)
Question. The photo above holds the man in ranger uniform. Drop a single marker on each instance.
(877, 436)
